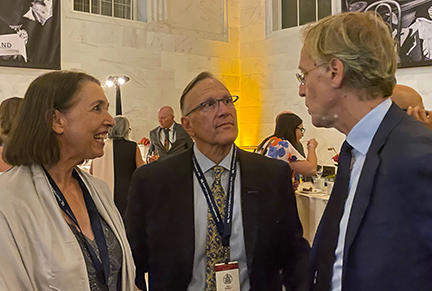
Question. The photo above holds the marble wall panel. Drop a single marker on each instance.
(198, 63)
(228, 66)
(250, 4)
(174, 61)
(160, 41)
(102, 34)
(132, 57)
(252, 16)
(205, 15)
(232, 82)
(134, 38)
(254, 32)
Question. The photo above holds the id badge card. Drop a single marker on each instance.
(227, 277)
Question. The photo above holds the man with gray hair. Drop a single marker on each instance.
(376, 232)
(220, 212)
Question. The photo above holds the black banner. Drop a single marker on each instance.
(30, 34)
(410, 22)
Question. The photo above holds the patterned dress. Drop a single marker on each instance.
(281, 149)
(115, 255)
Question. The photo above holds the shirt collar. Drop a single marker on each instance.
(360, 137)
(206, 164)
(171, 128)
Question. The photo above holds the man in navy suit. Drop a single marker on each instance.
(168, 221)
(376, 232)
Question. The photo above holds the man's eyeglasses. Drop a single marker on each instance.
(302, 129)
(301, 77)
(212, 104)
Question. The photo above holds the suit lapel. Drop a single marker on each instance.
(249, 191)
(176, 132)
(158, 133)
(182, 185)
(366, 180)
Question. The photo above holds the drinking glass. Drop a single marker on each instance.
(319, 170)
(153, 155)
(318, 175)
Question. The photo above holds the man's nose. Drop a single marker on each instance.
(302, 90)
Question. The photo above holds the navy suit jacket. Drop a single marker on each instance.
(183, 142)
(160, 224)
(388, 243)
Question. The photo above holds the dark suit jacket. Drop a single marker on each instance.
(182, 143)
(160, 224)
(389, 237)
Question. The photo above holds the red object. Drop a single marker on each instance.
(145, 141)
(336, 158)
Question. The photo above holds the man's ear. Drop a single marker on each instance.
(185, 121)
(58, 122)
(336, 68)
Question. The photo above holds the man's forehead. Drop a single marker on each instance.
(165, 112)
(208, 88)
(305, 58)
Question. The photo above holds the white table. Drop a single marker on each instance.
(310, 208)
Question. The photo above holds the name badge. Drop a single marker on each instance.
(227, 277)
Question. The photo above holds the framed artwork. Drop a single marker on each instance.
(30, 34)
(410, 22)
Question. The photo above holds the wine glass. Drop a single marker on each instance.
(318, 175)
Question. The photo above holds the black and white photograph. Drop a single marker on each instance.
(30, 33)
(411, 25)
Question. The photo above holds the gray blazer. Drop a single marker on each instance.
(182, 142)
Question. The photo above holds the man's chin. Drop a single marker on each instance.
(320, 121)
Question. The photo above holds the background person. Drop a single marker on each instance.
(410, 100)
(405, 97)
(171, 230)
(169, 137)
(284, 144)
(122, 156)
(8, 113)
(52, 241)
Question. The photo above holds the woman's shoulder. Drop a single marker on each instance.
(18, 191)
(282, 149)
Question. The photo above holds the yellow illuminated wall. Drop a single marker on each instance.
(243, 71)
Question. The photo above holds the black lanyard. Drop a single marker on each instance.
(102, 268)
(224, 228)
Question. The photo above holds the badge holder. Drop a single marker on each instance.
(227, 276)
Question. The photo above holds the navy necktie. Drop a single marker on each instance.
(323, 252)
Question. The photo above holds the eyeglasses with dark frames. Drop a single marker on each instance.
(212, 104)
(302, 129)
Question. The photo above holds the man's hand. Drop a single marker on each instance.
(152, 158)
(421, 115)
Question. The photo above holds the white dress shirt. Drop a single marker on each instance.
(237, 246)
(171, 136)
(360, 138)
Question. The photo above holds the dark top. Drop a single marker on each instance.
(124, 165)
(115, 255)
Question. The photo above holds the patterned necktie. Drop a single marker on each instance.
(166, 142)
(323, 251)
(214, 251)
